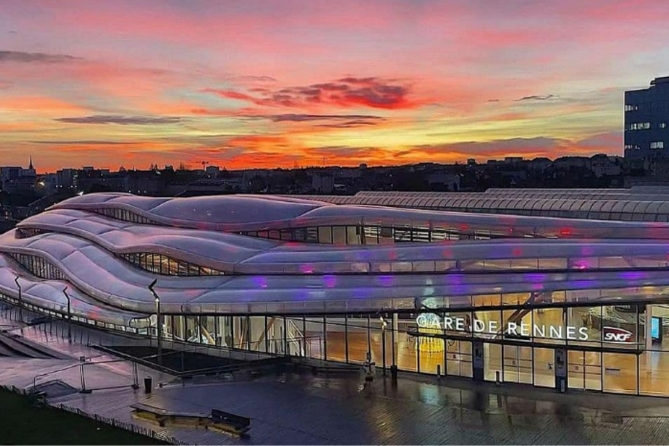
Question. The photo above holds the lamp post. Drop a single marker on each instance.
(383, 343)
(69, 316)
(158, 321)
(18, 285)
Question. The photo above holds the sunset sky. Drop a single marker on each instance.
(278, 83)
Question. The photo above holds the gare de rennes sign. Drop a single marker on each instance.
(449, 323)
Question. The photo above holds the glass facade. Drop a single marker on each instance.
(622, 348)
(168, 266)
(124, 215)
(362, 235)
(608, 348)
(29, 232)
(38, 266)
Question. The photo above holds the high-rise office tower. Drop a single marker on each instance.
(646, 119)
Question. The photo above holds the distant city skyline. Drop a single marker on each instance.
(262, 84)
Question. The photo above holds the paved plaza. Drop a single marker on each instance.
(306, 409)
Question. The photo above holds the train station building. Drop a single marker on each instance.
(566, 289)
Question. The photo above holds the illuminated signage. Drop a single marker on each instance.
(656, 329)
(428, 320)
(431, 320)
(615, 334)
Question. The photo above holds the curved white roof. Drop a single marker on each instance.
(49, 294)
(270, 276)
(234, 213)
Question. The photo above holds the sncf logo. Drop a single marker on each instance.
(614, 334)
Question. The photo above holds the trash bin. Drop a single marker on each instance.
(148, 384)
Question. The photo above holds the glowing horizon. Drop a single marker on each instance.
(262, 84)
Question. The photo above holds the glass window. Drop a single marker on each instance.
(339, 235)
(300, 234)
(313, 235)
(402, 234)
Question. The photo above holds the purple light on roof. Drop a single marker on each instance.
(306, 269)
(329, 281)
(632, 275)
(535, 277)
(362, 293)
(260, 281)
(386, 280)
(583, 284)
(302, 294)
(453, 279)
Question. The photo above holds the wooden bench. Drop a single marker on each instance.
(230, 422)
(217, 419)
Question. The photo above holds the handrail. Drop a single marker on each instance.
(51, 373)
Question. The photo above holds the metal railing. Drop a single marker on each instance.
(134, 428)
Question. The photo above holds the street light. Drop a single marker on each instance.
(158, 321)
(69, 316)
(18, 285)
(384, 324)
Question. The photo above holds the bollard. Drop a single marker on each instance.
(148, 385)
(497, 377)
(439, 372)
(393, 373)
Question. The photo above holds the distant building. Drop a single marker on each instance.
(17, 179)
(9, 174)
(646, 119)
(604, 165)
(213, 170)
(539, 164)
(323, 183)
(447, 181)
(65, 179)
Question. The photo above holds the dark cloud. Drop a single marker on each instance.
(84, 142)
(346, 92)
(331, 121)
(292, 117)
(348, 124)
(121, 120)
(537, 98)
(23, 57)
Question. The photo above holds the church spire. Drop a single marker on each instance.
(30, 166)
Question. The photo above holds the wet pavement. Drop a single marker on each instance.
(307, 409)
